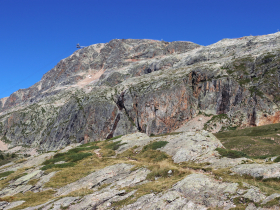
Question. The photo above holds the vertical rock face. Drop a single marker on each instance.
(159, 111)
(116, 88)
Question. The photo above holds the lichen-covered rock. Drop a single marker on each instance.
(119, 174)
(192, 146)
(131, 140)
(225, 162)
(30, 162)
(196, 191)
(264, 171)
(92, 201)
(13, 204)
(255, 195)
(271, 197)
(60, 204)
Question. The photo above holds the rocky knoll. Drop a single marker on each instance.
(154, 87)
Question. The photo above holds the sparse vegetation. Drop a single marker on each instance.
(114, 145)
(155, 145)
(30, 198)
(230, 153)
(7, 173)
(116, 137)
(256, 142)
(165, 134)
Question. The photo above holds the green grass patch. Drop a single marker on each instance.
(257, 142)
(277, 159)
(116, 137)
(7, 173)
(114, 145)
(153, 155)
(155, 145)
(63, 165)
(69, 157)
(230, 153)
(165, 134)
(80, 149)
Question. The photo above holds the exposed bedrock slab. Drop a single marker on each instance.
(192, 146)
(227, 162)
(196, 191)
(136, 139)
(264, 171)
(30, 162)
(118, 174)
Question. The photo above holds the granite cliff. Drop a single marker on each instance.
(154, 87)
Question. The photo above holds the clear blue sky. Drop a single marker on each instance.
(36, 34)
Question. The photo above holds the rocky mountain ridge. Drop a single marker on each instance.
(155, 87)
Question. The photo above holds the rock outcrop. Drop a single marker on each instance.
(154, 87)
(128, 180)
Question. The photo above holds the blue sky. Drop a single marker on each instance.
(36, 34)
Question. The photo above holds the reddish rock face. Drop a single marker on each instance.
(159, 111)
(269, 119)
(151, 86)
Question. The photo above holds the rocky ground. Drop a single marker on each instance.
(139, 124)
(182, 170)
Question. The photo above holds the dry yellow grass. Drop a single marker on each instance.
(30, 198)
(68, 175)
(17, 174)
(33, 182)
